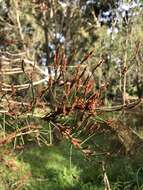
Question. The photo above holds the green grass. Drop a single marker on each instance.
(50, 168)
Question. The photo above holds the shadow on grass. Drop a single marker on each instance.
(51, 168)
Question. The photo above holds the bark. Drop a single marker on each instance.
(132, 142)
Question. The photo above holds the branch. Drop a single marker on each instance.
(105, 177)
(120, 107)
(18, 22)
(9, 88)
(3, 111)
(20, 132)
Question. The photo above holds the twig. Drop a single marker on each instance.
(3, 111)
(18, 22)
(105, 177)
(9, 88)
(18, 133)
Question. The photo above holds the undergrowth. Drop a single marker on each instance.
(54, 167)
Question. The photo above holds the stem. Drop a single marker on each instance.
(71, 147)
(87, 139)
(125, 69)
(105, 177)
(50, 134)
(19, 23)
(47, 42)
(4, 125)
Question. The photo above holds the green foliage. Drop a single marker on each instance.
(50, 168)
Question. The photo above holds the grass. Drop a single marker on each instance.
(49, 168)
(58, 167)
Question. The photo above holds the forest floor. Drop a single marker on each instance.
(64, 168)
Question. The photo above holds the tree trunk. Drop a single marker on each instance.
(132, 142)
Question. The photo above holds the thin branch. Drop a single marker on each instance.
(19, 23)
(9, 88)
(105, 177)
